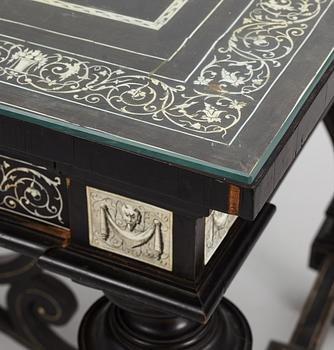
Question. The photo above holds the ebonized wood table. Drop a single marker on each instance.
(140, 144)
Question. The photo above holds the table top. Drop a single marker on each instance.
(210, 85)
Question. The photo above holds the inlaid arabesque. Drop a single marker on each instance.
(31, 191)
(218, 98)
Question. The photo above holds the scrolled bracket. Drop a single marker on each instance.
(35, 301)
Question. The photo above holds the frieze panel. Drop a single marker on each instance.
(217, 226)
(31, 191)
(130, 228)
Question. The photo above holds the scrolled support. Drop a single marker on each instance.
(35, 301)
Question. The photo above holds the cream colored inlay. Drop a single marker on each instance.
(130, 228)
(27, 190)
(217, 226)
(163, 19)
(214, 105)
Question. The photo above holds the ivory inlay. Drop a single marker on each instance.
(162, 20)
(29, 190)
(220, 96)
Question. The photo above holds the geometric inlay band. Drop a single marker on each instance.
(163, 19)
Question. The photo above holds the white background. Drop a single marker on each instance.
(275, 280)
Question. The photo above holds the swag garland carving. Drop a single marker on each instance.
(220, 95)
(130, 228)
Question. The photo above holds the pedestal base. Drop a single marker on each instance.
(108, 327)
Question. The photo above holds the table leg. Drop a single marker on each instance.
(35, 301)
(121, 324)
(324, 242)
(318, 311)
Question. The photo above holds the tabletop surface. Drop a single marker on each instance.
(211, 85)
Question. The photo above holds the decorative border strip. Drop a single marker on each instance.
(239, 71)
(162, 20)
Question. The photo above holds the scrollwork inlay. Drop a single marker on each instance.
(25, 190)
(221, 94)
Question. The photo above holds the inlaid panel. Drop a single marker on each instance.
(141, 34)
(217, 226)
(130, 228)
(31, 191)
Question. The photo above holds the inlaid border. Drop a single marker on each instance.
(161, 21)
(95, 42)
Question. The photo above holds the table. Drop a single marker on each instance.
(141, 142)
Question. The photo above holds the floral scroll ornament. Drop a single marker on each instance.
(235, 75)
(259, 46)
(24, 190)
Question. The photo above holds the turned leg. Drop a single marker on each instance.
(118, 323)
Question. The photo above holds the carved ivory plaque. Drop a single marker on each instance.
(217, 226)
(130, 228)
